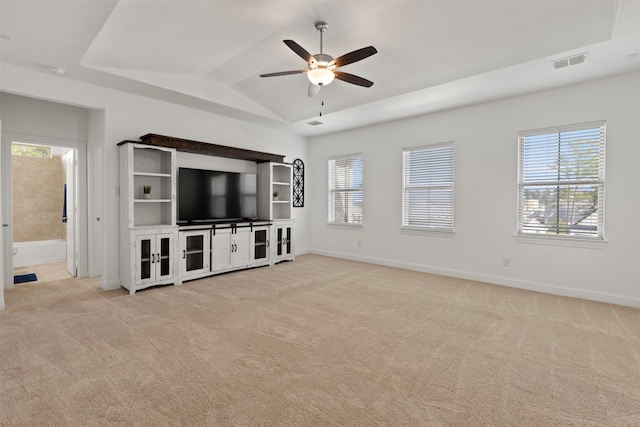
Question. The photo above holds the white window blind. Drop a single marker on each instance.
(345, 189)
(561, 181)
(428, 186)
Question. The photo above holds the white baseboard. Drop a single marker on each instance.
(605, 297)
(1, 305)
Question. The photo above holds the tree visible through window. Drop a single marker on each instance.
(345, 189)
(428, 187)
(20, 149)
(561, 181)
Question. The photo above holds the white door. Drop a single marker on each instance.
(6, 261)
(221, 250)
(6, 253)
(241, 247)
(70, 169)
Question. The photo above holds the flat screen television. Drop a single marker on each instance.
(207, 195)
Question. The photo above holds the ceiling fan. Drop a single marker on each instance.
(322, 67)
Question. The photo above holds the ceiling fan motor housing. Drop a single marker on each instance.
(322, 26)
(322, 61)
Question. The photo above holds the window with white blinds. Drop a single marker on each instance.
(345, 189)
(428, 179)
(561, 181)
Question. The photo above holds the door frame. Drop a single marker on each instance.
(7, 193)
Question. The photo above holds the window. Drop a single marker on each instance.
(427, 196)
(30, 150)
(345, 189)
(561, 181)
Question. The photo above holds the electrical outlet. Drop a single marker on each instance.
(359, 244)
(506, 261)
(115, 191)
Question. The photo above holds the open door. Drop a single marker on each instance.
(71, 210)
(6, 257)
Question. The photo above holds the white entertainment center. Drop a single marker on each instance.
(156, 249)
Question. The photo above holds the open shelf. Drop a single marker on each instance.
(274, 177)
(154, 167)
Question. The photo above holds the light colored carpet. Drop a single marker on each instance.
(320, 341)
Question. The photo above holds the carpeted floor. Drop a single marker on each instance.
(316, 342)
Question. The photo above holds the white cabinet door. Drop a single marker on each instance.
(164, 257)
(195, 252)
(145, 266)
(260, 246)
(282, 241)
(221, 249)
(241, 247)
(154, 258)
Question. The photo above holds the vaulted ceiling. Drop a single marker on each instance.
(432, 55)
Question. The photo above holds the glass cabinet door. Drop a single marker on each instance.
(260, 244)
(164, 256)
(287, 242)
(145, 258)
(279, 241)
(194, 253)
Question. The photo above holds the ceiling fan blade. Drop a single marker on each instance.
(313, 90)
(283, 73)
(299, 50)
(356, 55)
(353, 79)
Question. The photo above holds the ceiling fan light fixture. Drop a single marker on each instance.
(320, 76)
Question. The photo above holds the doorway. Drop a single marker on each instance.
(45, 200)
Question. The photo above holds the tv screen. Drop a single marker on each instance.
(206, 195)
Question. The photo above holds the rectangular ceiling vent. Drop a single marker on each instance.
(570, 60)
(314, 123)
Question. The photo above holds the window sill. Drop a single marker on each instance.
(423, 231)
(345, 224)
(575, 242)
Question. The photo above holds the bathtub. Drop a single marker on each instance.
(40, 252)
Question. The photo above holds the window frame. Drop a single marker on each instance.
(562, 239)
(350, 189)
(432, 226)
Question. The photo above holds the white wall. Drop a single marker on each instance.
(485, 139)
(50, 123)
(127, 117)
(34, 117)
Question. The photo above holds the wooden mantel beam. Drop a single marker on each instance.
(206, 148)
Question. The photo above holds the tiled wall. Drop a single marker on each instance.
(38, 186)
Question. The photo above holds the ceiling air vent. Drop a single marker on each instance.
(314, 123)
(570, 60)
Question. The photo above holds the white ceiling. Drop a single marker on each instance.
(432, 55)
